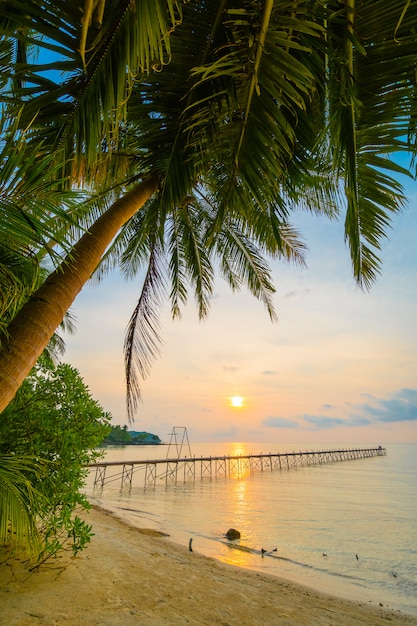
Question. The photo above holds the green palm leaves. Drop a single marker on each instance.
(245, 111)
(371, 99)
(18, 504)
(74, 65)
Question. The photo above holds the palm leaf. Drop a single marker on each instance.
(142, 338)
(82, 113)
(372, 101)
(33, 204)
(18, 504)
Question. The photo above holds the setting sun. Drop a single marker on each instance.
(236, 401)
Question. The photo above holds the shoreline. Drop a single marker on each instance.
(128, 576)
(202, 545)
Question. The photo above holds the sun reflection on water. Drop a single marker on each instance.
(238, 449)
(239, 467)
(237, 552)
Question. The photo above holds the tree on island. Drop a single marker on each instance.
(196, 137)
(144, 438)
(120, 435)
(117, 436)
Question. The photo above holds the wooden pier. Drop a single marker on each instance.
(172, 470)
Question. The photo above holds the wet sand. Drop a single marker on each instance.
(129, 576)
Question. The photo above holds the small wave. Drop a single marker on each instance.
(307, 566)
(126, 508)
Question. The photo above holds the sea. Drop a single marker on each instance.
(347, 528)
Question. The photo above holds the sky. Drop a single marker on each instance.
(339, 365)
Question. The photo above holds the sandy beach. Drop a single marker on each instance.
(129, 576)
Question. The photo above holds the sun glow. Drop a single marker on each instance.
(236, 401)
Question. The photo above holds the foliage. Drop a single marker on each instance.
(18, 504)
(35, 213)
(144, 438)
(54, 418)
(117, 436)
(234, 92)
(121, 436)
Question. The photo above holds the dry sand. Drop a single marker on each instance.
(129, 576)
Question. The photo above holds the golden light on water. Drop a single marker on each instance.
(238, 449)
(239, 467)
(238, 552)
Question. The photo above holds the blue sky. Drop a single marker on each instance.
(339, 366)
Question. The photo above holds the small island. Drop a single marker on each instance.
(120, 436)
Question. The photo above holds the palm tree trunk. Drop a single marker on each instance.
(34, 325)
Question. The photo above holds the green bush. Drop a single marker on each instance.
(54, 419)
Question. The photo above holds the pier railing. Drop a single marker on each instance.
(192, 468)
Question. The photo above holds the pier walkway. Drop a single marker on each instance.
(172, 470)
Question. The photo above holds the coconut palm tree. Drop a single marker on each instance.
(261, 107)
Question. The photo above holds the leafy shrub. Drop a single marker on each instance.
(54, 419)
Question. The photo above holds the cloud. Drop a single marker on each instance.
(279, 422)
(326, 423)
(230, 368)
(269, 373)
(359, 420)
(400, 407)
(292, 294)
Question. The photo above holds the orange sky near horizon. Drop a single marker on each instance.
(339, 366)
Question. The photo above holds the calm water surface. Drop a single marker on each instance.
(364, 507)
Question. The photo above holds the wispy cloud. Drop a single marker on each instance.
(322, 422)
(269, 373)
(400, 407)
(279, 422)
(292, 294)
(360, 420)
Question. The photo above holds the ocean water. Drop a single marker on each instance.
(348, 528)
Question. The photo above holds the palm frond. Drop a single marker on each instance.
(189, 257)
(142, 340)
(18, 504)
(19, 276)
(99, 62)
(242, 264)
(372, 102)
(33, 204)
